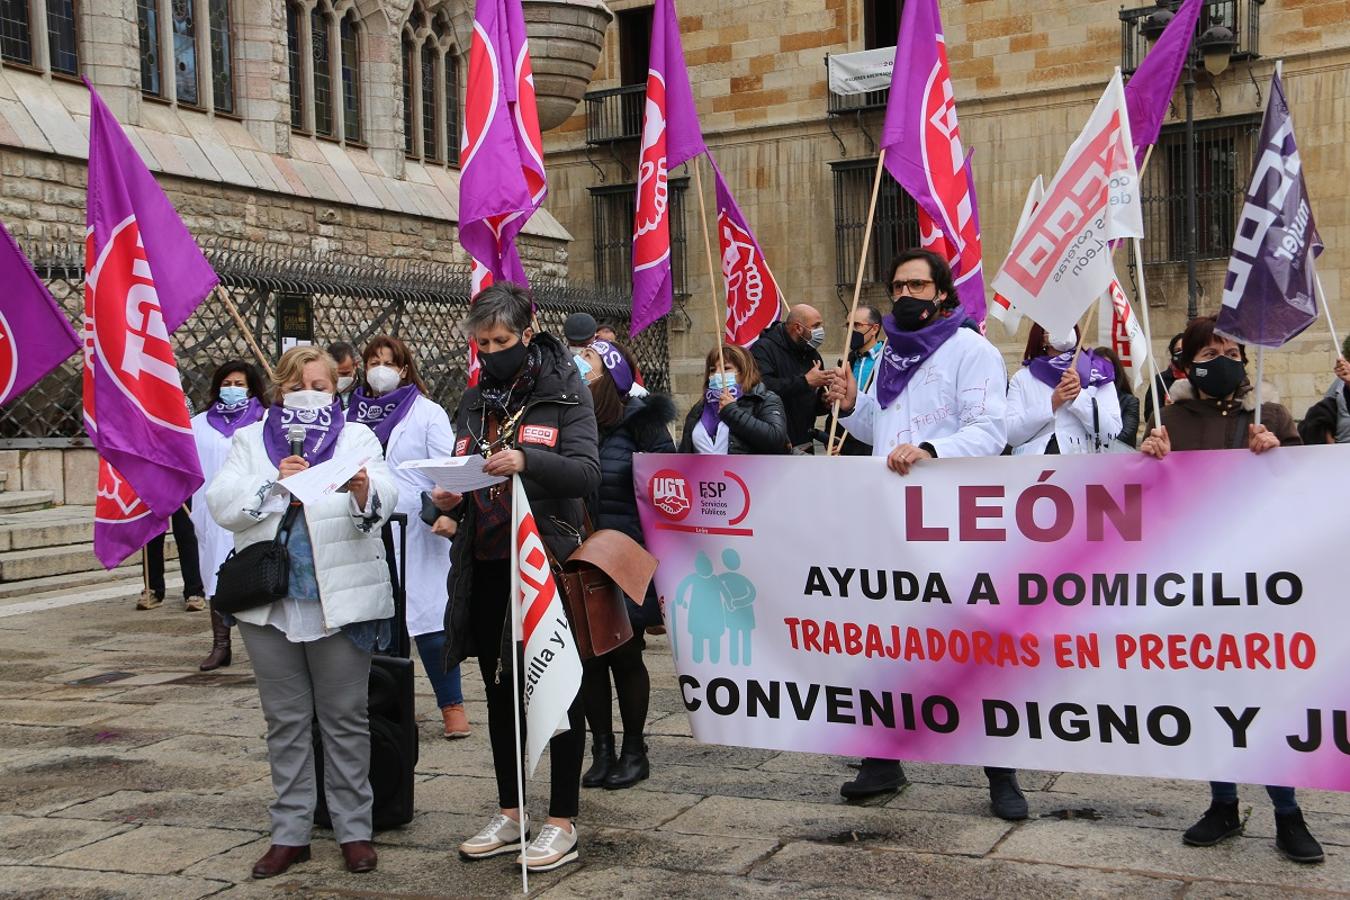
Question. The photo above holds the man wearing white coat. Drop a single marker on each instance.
(393, 403)
(939, 391)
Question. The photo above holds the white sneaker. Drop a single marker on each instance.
(502, 835)
(555, 846)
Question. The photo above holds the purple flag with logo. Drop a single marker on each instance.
(502, 180)
(753, 300)
(670, 137)
(144, 276)
(1268, 295)
(1149, 93)
(35, 335)
(922, 142)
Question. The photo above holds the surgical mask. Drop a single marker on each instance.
(911, 313)
(307, 400)
(233, 395)
(583, 367)
(817, 337)
(383, 379)
(345, 383)
(1062, 343)
(1218, 377)
(502, 365)
(723, 381)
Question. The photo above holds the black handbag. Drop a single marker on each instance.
(257, 575)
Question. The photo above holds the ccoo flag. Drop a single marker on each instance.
(1149, 93)
(1119, 329)
(922, 140)
(502, 179)
(551, 667)
(1002, 308)
(670, 137)
(1061, 262)
(1268, 295)
(35, 335)
(144, 276)
(753, 300)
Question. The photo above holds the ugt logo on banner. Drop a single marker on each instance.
(717, 501)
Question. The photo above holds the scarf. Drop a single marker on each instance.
(906, 351)
(507, 399)
(381, 414)
(1092, 369)
(229, 419)
(712, 400)
(322, 427)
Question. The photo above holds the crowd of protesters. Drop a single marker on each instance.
(568, 415)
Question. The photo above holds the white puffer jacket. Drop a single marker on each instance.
(348, 552)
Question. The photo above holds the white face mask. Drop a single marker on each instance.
(383, 379)
(817, 337)
(1062, 343)
(307, 400)
(345, 383)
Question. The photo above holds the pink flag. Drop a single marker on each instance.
(670, 137)
(922, 140)
(1118, 328)
(144, 276)
(1149, 93)
(753, 300)
(35, 335)
(502, 179)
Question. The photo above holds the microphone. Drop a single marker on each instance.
(296, 435)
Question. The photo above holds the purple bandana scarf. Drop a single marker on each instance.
(711, 400)
(906, 351)
(322, 427)
(1092, 369)
(618, 367)
(229, 419)
(381, 414)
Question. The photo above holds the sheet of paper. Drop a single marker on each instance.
(458, 474)
(319, 481)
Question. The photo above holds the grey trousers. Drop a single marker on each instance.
(330, 676)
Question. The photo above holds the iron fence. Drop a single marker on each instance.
(1141, 26)
(352, 300)
(895, 227)
(615, 114)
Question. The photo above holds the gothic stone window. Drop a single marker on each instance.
(20, 20)
(324, 43)
(187, 52)
(431, 105)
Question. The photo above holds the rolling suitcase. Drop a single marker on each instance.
(393, 726)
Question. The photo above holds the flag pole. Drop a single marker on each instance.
(1148, 331)
(243, 329)
(719, 313)
(514, 600)
(1326, 307)
(857, 292)
(1260, 376)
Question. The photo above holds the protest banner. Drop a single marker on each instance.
(1082, 613)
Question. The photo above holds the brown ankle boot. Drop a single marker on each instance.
(220, 644)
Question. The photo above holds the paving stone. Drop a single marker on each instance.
(641, 884)
(152, 849)
(26, 840)
(244, 808)
(46, 883)
(620, 848)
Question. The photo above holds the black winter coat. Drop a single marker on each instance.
(645, 428)
(557, 434)
(1129, 417)
(783, 365)
(756, 423)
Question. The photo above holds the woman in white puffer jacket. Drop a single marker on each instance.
(311, 650)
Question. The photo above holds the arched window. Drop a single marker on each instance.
(409, 66)
(321, 41)
(431, 107)
(451, 106)
(17, 27)
(293, 42)
(351, 80)
(429, 102)
(187, 64)
(324, 56)
(61, 42)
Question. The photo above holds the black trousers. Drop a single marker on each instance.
(632, 684)
(488, 619)
(185, 536)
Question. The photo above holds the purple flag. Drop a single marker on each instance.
(1268, 296)
(502, 179)
(670, 137)
(1149, 93)
(922, 141)
(35, 335)
(144, 276)
(753, 300)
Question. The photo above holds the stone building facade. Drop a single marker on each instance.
(1026, 76)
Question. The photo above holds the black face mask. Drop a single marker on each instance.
(502, 366)
(1176, 359)
(856, 341)
(911, 314)
(1219, 377)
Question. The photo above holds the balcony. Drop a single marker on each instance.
(847, 74)
(615, 114)
(1235, 23)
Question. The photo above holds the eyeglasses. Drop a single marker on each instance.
(862, 326)
(915, 286)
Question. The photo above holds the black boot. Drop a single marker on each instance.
(1294, 840)
(220, 644)
(1219, 822)
(875, 776)
(1005, 795)
(602, 752)
(632, 766)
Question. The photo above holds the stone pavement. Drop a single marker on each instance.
(154, 783)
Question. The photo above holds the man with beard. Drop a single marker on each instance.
(939, 391)
(790, 366)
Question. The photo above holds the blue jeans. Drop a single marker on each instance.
(1282, 797)
(431, 647)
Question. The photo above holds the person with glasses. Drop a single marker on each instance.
(939, 391)
(865, 347)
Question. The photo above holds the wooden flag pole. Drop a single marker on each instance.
(830, 447)
(244, 329)
(719, 311)
(1326, 307)
(1148, 331)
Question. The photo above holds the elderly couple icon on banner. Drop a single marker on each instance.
(718, 605)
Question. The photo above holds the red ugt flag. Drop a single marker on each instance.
(35, 336)
(144, 276)
(752, 294)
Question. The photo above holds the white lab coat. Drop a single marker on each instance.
(1031, 420)
(213, 542)
(955, 402)
(424, 433)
